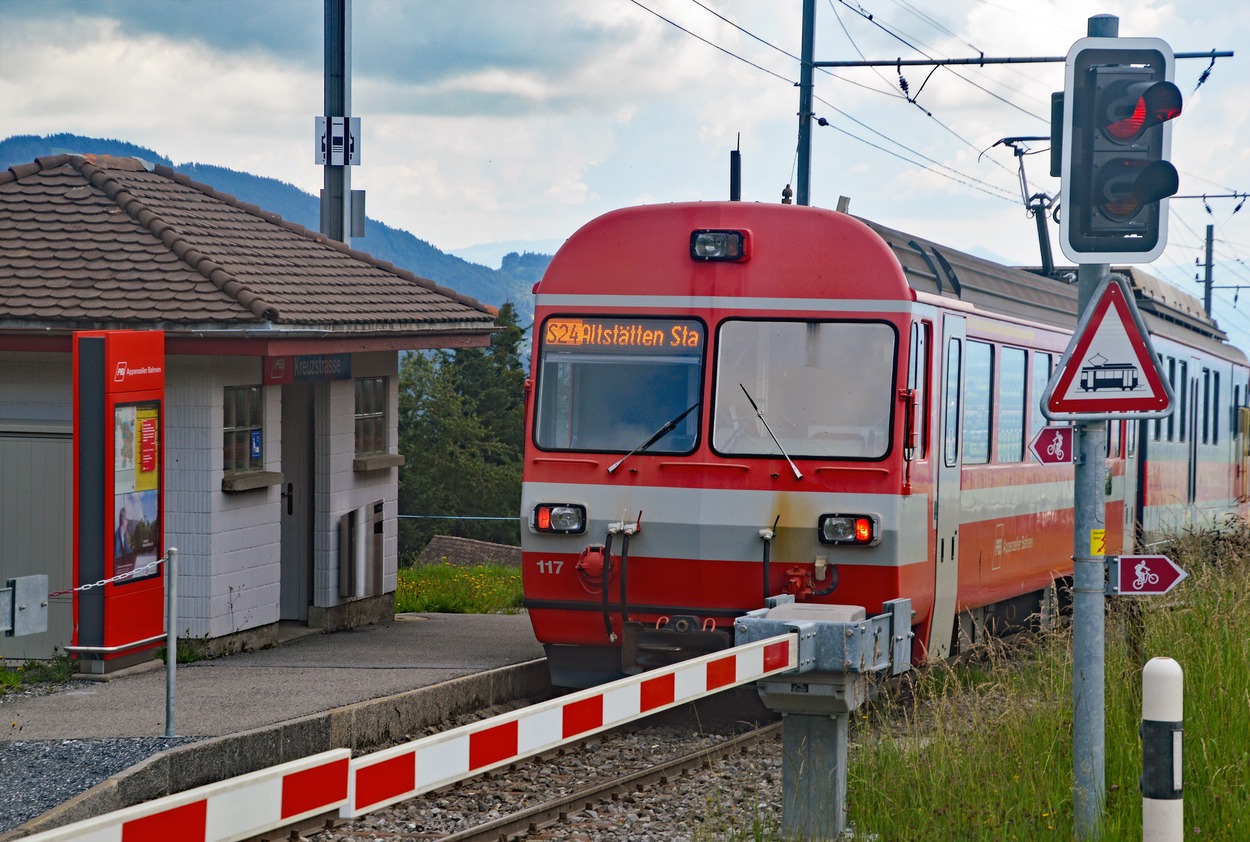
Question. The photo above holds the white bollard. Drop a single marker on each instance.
(1162, 729)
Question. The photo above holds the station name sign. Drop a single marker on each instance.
(307, 368)
(625, 334)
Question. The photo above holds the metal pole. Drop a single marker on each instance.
(1162, 731)
(171, 635)
(803, 187)
(813, 775)
(337, 195)
(1206, 293)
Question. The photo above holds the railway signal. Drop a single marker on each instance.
(1118, 105)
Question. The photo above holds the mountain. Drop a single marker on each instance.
(511, 282)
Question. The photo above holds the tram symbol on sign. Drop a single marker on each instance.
(1101, 374)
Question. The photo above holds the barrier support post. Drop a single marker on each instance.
(841, 652)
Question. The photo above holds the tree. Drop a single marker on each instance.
(461, 428)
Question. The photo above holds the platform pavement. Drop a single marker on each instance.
(356, 688)
(306, 675)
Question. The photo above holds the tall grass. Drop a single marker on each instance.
(982, 748)
(451, 589)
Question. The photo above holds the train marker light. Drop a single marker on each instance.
(566, 518)
(844, 529)
(1118, 104)
(715, 245)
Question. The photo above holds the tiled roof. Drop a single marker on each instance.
(89, 242)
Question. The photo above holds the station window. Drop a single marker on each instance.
(1011, 405)
(242, 429)
(978, 399)
(370, 416)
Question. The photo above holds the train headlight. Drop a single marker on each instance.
(567, 518)
(710, 244)
(841, 529)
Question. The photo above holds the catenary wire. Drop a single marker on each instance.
(963, 177)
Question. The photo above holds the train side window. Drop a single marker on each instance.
(1158, 423)
(950, 427)
(1182, 383)
(918, 381)
(1215, 407)
(1011, 405)
(1204, 410)
(1039, 377)
(978, 402)
(1170, 421)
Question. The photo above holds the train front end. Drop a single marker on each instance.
(717, 413)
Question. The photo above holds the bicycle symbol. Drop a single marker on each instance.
(1144, 576)
(1055, 448)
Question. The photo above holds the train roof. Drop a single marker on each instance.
(1026, 293)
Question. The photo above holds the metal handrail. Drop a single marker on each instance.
(110, 649)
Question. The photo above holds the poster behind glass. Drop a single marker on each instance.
(136, 490)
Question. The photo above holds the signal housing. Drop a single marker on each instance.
(1117, 109)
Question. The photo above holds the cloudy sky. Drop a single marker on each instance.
(516, 121)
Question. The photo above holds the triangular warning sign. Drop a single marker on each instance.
(1109, 368)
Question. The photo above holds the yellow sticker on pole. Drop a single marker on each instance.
(1098, 542)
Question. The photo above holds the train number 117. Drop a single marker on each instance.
(550, 566)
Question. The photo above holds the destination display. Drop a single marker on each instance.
(657, 335)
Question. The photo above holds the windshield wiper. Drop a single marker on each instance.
(659, 434)
(760, 416)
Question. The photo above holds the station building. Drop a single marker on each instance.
(281, 393)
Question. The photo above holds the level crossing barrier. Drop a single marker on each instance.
(248, 805)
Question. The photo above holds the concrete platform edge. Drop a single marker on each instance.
(361, 727)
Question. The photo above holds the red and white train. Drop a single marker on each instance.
(731, 400)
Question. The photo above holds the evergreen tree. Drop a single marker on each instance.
(461, 427)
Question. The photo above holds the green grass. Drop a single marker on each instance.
(982, 750)
(450, 589)
(54, 671)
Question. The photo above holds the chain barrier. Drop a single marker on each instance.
(137, 572)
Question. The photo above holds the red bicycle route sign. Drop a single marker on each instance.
(1053, 445)
(1146, 575)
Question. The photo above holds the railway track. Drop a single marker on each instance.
(588, 790)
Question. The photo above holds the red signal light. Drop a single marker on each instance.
(863, 530)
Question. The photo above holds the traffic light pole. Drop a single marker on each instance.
(1088, 595)
(1089, 632)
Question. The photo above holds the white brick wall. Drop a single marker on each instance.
(230, 543)
(339, 488)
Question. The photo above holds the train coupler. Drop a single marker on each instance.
(645, 647)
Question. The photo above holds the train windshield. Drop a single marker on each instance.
(610, 384)
(820, 389)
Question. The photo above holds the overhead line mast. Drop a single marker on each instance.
(808, 64)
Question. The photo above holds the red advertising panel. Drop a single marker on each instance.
(119, 382)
